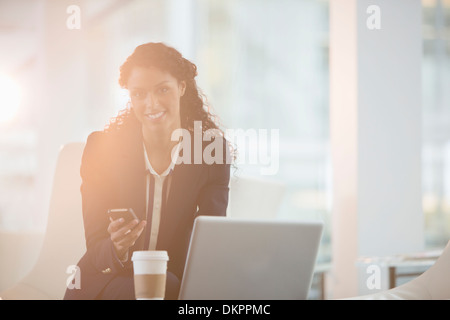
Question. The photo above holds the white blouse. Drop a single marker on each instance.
(158, 194)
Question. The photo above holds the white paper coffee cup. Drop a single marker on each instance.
(150, 269)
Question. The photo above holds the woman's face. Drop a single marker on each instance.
(155, 98)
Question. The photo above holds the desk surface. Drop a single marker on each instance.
(425, 258)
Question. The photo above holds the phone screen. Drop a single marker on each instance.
(126, 213)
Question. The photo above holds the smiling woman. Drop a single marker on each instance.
(9, 99)
(129, 165)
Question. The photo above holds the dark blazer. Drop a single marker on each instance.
(113, 176)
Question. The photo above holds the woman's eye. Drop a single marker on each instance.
(137, 94)
(163, 89)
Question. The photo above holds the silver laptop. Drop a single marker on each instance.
(243, 259)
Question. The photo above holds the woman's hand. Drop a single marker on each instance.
(124, 236)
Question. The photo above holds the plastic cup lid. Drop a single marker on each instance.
(150, 255)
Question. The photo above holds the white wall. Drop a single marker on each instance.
(375, 107)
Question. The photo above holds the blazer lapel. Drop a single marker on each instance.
(184, 182)
(132, 177)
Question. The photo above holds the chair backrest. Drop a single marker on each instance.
(437, 277)
(64, 242)
(254, 197)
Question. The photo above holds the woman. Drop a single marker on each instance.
(133, 164)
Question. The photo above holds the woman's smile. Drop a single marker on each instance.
(155, 116)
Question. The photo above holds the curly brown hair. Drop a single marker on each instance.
(194, 106)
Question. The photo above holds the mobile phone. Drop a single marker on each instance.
(126, 213)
